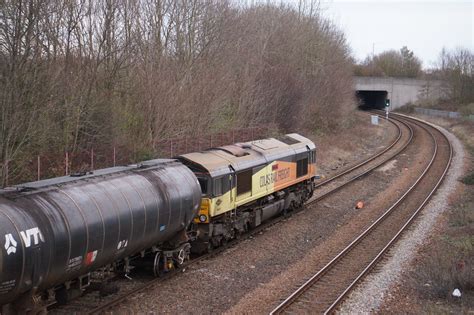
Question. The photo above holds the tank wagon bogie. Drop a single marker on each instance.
(59, 233)
(245, 184)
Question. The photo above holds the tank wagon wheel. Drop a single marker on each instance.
(157, 265)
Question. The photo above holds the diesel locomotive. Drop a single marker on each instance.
(245, 184)
(61, 235)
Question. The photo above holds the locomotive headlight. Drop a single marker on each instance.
(202, 218)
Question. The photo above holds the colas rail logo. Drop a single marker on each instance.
(275, 176)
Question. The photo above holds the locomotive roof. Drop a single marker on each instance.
(240, 156)
(46, 183)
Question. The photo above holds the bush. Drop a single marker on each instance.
(468, 179)
(402, 63)
(467, 110)
(407, 109)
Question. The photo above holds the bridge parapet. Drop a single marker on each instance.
(401, 90)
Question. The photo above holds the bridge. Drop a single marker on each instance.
(373, 91)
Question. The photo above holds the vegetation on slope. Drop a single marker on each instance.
(80, 74)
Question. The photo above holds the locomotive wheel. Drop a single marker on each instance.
(223, 242)
(237, 234)
(210, 247)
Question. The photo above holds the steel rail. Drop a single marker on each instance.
(351, 180)
(316, 277)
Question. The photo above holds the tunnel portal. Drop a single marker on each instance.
(371, 99)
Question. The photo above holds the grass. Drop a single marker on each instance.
(448, 265)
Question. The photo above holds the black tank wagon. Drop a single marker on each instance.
(55, 233)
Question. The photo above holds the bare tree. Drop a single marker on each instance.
(457, 68)
(82, 74)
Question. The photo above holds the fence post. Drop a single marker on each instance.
(92, 159)
(233, 136)
(6, 172)
(67, 163)
(211, 141)
(39, 167)
(171, 148)
(114, 156)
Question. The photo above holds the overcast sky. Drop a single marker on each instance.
(421, 25)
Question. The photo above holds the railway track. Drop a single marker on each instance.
(93, 303)
(351, 174)
(326, 289)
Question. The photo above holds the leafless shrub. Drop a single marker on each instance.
(78, 74)
(456, 67)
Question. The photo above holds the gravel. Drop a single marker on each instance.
(252, 276)
(369, 296)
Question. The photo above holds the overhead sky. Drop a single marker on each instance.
(424, 26)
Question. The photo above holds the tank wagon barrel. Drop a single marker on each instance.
(54, 232)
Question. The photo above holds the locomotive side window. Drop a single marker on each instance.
(244, 182)
(218, 187)
(221, 186)
(302, 167)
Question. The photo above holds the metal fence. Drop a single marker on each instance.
(176, 146)
(59, 164)
(437, 113)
